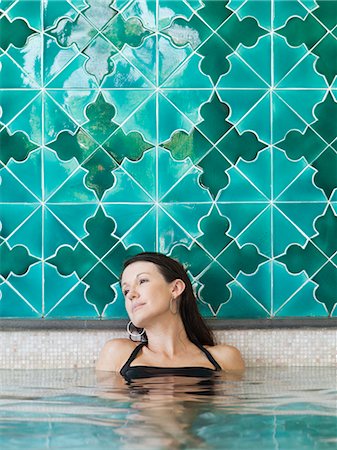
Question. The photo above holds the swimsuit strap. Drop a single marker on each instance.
(209, 356)
(133, 355)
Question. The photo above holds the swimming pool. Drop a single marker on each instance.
(268, 408)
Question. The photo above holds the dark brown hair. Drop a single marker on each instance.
(171, 269)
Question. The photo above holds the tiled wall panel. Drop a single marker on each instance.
(202, 129)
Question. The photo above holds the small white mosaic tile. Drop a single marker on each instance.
(54, 349)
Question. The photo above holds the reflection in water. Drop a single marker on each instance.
(279, 408)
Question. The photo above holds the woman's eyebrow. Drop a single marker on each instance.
(138, 274)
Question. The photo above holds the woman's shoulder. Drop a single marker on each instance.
(114, 354)
(228, 357)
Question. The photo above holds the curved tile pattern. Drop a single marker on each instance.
(202, 129)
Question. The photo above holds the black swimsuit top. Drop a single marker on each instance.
(135, 372)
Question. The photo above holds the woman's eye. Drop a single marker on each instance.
(142, 280)
(125, 293)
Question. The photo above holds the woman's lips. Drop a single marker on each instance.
(136, 306)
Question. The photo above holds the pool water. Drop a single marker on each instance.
(265, 409)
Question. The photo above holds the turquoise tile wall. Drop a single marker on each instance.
(202, 129)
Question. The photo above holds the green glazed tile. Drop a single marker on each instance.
(193, 31)
(215, 289)
(12, 215)
(73, 306)
(143, 120)
(12, 101)
(188, 190)
(131, 146)
(125, 101)
(245, 32)
(143, 58)
(214, 176)
(30, 10)
(261, 11)
(171, 234)
(55, 234)
(15, 260)
(187, 215)
(30, 121)
(189, 102)
(195, 259)
(258, 285)
(303, 304)
(302, 214)
(239, 101)
(12, 191)
(326, 177)
(237, 259)
(121, 32)
(53, 10)
(74, 190)
(214, 13)
(117, 255)
(143, 233)
(56, 58)
(146, 11)
(15, 147)
(170, 119)
(73, 102)
(189, 76)
(125, 216)
(99, 54)
(125, 75)
(245, 145)
(100, 114)
(74, 76)
(29, 286)
(215, 63)
(29, 234)
(12, 76)
(302, 189)
(241, 305)
(13, 32)
(28, 58)
(67, 146)
(240, 214)
(303, 76)
(99, 292)
(72, 217)
(308, 258)
(13, 306)
(125, 189)
(214, 229)
(285, 10)
(55, 171)
(116, 309)
(99, 177)
(29, 172)
(285, 232)
(299, 100)
(143, 171)
(55, 120)
(286, 285)
(170, 58)
(259, 233)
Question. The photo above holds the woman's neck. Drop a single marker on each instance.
(169, 339)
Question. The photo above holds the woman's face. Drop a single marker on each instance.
(147, 294)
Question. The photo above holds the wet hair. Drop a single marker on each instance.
(171, 269)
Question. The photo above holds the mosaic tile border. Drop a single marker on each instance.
(42, 349)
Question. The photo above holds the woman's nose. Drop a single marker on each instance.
(132, 294)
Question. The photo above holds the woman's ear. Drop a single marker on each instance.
(178, 287)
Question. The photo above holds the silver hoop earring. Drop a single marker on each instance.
(173, 311)
(133, 334)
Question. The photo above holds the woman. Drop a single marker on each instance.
(162, 307)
